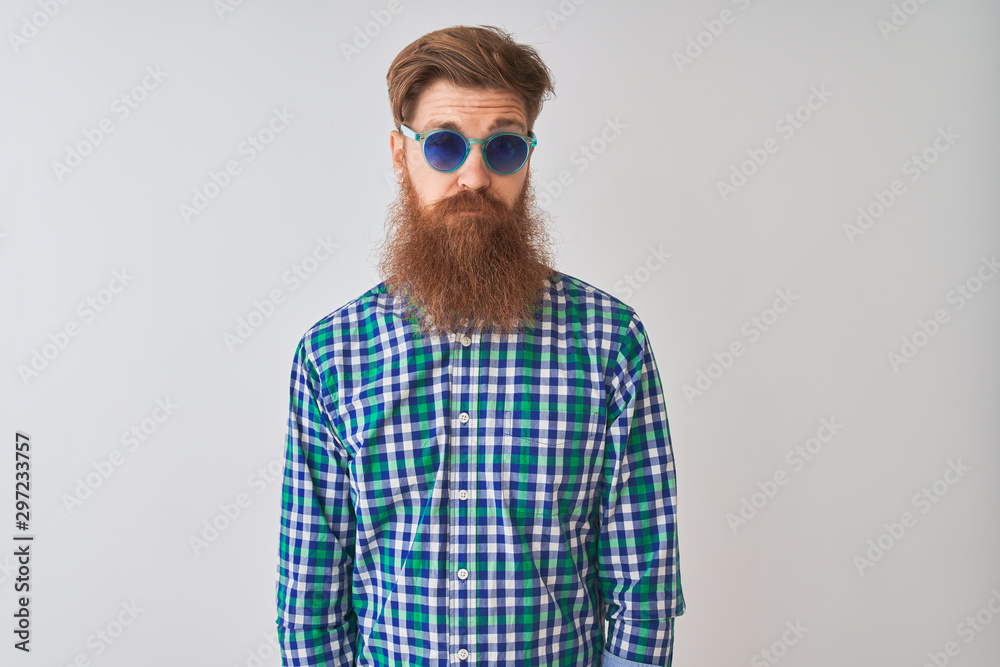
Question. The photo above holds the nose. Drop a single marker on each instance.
(474, 174)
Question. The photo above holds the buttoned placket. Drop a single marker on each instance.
(463, 465)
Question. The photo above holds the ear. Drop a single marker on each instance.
(397, 144)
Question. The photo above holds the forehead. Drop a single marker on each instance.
(443, 104)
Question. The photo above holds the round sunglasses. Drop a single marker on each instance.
(446, 150)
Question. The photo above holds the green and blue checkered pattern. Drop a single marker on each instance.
(480, 499)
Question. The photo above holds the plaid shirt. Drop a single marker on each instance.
(480, 499)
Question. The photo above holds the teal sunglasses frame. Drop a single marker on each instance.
(421, 137)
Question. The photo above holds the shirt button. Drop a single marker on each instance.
(463, 654)
(463, 494)
(466, 341)
(464, 417)
(463, 574)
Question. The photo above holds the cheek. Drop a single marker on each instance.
(429, 188)
(512, 190)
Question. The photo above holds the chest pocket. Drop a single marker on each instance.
(550, 467)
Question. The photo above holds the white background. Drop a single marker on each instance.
(686, 127)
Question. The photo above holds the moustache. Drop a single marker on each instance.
(471, 202)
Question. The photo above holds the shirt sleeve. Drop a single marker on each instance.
(317, 624)
(638, 570)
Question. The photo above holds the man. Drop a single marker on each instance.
(478, 463)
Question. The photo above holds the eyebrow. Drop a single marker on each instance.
(494, 126)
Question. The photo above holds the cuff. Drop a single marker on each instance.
(612, 660)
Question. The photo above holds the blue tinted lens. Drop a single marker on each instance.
(506, 153)
(444, 151)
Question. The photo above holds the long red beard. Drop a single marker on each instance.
(467, 272)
